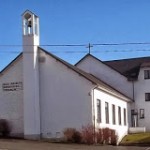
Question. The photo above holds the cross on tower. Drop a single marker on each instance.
(89, 47)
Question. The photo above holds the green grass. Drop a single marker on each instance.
(139, 138)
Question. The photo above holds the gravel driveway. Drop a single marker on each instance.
(39, 145)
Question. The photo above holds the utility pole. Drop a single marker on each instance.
(89, 47)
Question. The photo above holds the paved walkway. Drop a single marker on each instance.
(38, 145)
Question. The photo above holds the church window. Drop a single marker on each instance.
(107, 112)
(98, 110)
(119, 115)
(125, 116)
(113, 114)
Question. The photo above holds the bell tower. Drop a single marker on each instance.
(30, 28)
(30, 33)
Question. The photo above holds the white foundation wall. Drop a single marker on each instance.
(65, 100)
(142, 86)
(122, 129)
(106, 74)
(11, 102)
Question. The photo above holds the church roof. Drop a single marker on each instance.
(128, 67)
(30, 12)
(11, 63)
(86, 75)
(87, 55)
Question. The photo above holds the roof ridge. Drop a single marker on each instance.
(82, 59)
(103, 62)
(127, 59)
(86, 75)
(69, 65)
(15, 59)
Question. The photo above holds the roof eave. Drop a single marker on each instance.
(11, 63)
(119, 95)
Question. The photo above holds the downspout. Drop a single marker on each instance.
(133, 90)
(135, 110)
(40, 105)
(94, 124)
(135, 116)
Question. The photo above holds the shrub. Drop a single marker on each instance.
(106, 135)
(113, 137)
(88, 134)
(72, 135)
(4, 128)
(99, 136)
(77, 137)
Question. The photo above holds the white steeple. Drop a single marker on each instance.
(30, 25)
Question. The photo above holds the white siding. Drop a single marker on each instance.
(142, 86)
(30, 36)
(106, 74)
(11, 102)
(65, 98)
(106, 97)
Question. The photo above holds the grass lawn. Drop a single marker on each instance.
(139, 138)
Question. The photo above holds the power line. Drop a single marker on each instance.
(83, 45)
(118, 44)
(84, 51)
(50, 45)
(79, 45)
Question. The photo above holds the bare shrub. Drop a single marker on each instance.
(77, 137)
(72, 135)
(99, 136)
(113, 137)
(88, 134)
(106, 135)
(4, 128)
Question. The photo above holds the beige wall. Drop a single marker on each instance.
(64, 98)
(142, 86)
(106, 74)
(11, 102)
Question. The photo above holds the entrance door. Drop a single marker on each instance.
(134, 118)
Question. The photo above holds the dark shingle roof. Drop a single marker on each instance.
(128, 67)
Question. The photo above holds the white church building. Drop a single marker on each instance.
(41, 94)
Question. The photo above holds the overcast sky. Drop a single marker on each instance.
(79, 22)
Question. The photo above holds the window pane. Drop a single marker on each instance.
(107, 112)
(119, 115)
(146, 74)
(125, 116)
(113, 114)
(142, 114)
(98, 110)
(147, 96)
